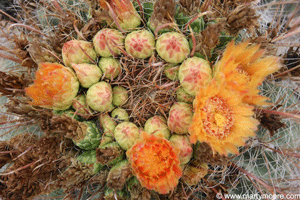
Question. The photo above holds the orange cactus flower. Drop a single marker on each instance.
(123, 11)
(55, 87)
(155, 163)
(221, 119)
(244, 69)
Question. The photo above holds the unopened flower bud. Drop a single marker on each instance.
(107, 42)
(120, 95)
(78, 51)
(87, 74)
(173, 47)
(120, 115)
(157, 125)
(140, 44)
(193, 74)
(126, 134)
(180, 117)
(99, 96)
(182, 96)
(183, 143)
(110, 67)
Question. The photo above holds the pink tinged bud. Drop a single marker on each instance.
(87, 74)
(99, 96)
(171, 72)
(78, 51)
(193, 74)
(108, 124)
(110, 67)
(126, 134)
(120, 115)
(107, 42)
(182, 96)
(183, 143)
(192, 174)
(120, 95)
(157, 125)
(180, 117)
(80, 105)
(140, 44)
(173, 47)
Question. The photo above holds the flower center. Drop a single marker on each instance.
(218, 118)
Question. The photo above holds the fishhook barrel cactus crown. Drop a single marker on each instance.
(125, 99)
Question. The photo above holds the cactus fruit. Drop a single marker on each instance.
(140, 44)
(99, 96)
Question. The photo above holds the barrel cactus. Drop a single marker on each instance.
(148, 99)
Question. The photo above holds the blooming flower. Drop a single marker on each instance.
(221, 119)
(244, 69)
(55, 87)
(155, 163)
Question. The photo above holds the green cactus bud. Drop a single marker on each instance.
(120, 115)
(79, 105)
(99, 96)
(77, 52)
(192, 174)
(120, 95)
(173, 47)
(110, 67)
(90, 138)
(180, 117)
(140, 44)
(87, 74)
(107, 40)
(171, 72)
(183, 143)
(182, 96)
(89, 158)
(126, 134)
(157, 125)
(108, 124)
(193, 74)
